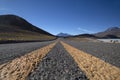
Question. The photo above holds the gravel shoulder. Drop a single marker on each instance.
(9, 52)
(57, 65)
(106, 51)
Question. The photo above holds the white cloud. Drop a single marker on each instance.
(84, 30)
(6, 11)
(3, 9)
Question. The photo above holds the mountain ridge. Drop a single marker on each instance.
(63, 34)
(21, 23)
(13, 27)
(112, 32)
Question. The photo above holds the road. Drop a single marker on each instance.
(57, 65)
(106, 51)
(64, 60)
(11, 51)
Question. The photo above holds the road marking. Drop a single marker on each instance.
(19, 68)
(95, 68)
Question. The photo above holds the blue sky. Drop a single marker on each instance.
(68, 16)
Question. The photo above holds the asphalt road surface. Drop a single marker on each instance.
(108, 52)
(11, 51)
(57, 65)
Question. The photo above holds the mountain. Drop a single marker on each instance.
(85, 36)
(82, 37)
(13, 27)
(63, 35)
(113, 32)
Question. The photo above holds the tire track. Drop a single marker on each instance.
(19, 68)
(95, 68)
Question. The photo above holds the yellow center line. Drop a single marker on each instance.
(95, 68)
(19, 68)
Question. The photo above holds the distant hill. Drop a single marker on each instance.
(113, 32)
(85, 36)
(13, 27)
(63, 35)
(82, 37)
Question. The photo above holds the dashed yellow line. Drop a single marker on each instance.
(95, 68)
(19, 69)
